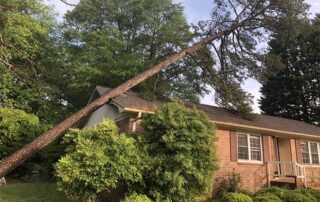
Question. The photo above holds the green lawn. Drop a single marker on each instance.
(31, 192)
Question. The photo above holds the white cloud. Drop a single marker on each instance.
(315, 6)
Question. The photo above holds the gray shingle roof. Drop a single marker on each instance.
(131, 100)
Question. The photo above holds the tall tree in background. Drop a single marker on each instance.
(27, 56)
(240, 55)
(294, 92)
(107, 42)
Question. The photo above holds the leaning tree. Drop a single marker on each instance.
(233, 35)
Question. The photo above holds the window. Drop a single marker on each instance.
(314, 153)
(305, 152)
(249, 147)
(310, 152)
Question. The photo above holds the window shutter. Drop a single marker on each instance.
(266, 153)
(298, 151)
(233, 146)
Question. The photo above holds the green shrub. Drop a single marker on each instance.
(313, 192)
(98, 159)
(17, 128)
(279, 192)
(288, 195)
(296, 196)
(236, 197)
(136, 198)
(230, 184)
(180, 143)
(246, 192)
(266, 197)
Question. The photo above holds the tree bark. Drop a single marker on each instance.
(41, 141)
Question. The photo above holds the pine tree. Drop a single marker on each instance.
(294, 92)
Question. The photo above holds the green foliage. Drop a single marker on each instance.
(288, 195)
(294, 196)
(136, 198)
(293, 91)
(180, 144)
(98, 159)
(238, 55)
(25, 29)
(266, 197)
(273, 190)
(315, 193)
(108, 42)
(236, 197)
(28, 58)
(230, 184)
(16, 129)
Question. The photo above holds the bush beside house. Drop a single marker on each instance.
(98, 159)
(273, 194)
(174, 160)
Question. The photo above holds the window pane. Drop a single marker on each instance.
(242, 140)
(243, 147)
(305, 152)
(243, 153)
(314, 153)
(255, 147)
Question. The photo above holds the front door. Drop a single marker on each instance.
(283, 155)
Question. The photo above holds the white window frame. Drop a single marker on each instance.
(309, 148)
(249, 149)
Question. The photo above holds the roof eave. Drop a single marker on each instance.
(240, 127)
(266, 131)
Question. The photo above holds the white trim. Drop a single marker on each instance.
(134, 124)
(309, 152)
(310, 156)
(248, 135)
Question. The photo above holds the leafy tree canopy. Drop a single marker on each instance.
(27, 59)
(238, 53)
(108, 42)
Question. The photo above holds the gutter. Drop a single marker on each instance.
(241, 127)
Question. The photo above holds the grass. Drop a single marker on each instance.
(31, 192)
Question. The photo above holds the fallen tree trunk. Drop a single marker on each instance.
(36, 145)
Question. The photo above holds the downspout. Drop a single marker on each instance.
(134, 124)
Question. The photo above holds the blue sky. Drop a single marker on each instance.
(196, 10)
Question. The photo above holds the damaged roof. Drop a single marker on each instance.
(131, 101)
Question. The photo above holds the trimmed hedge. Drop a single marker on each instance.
(289, 195)
(313, 192)
(266, 197)
(236, 197)
(136, 198)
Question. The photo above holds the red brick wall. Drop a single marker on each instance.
(253, 175)
(125, 125)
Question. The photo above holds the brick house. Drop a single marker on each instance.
(264, 151)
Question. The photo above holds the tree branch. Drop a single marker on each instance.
(69, 4)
